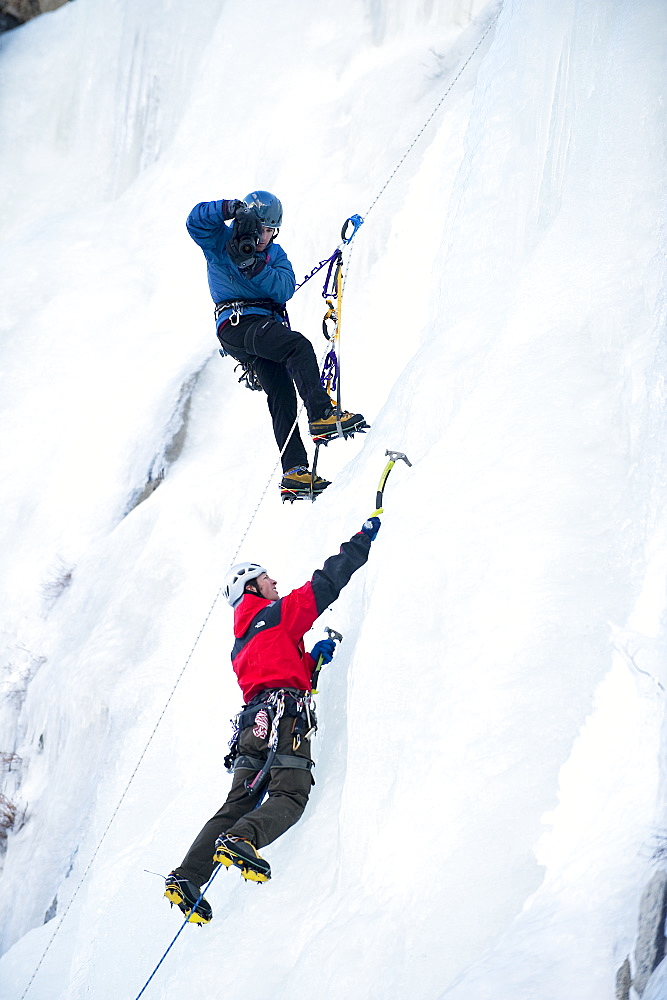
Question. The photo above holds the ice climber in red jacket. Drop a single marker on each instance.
(270, 752)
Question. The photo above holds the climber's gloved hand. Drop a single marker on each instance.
(230, 208)
(324, 648)
(247, 222)
(371, 527)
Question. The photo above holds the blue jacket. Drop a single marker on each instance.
(276, 281)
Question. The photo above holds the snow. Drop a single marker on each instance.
(490, 780)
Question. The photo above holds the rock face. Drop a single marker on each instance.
(623, 981)
(651, 945)
(650, 948)
(15, 12)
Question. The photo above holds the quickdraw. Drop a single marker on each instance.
(249, 376)
(355, 221)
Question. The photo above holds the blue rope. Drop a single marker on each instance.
(173, 941)
(356, 221)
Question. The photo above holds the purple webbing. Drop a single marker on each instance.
(318, 267)
(330, 370)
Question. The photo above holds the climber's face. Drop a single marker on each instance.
(267, 587)
(266, 237)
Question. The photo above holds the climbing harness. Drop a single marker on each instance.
(269, 707)
(237, 307)
(394, 456)
(248, 374)
(330, 368)
(337, 637)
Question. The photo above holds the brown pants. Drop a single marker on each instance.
(240, 815)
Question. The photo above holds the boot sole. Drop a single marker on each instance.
(330, 435)
(292, 495)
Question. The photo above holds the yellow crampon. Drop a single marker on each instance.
(230, 860)
(175, 898)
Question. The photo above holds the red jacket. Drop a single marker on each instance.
(269, 650)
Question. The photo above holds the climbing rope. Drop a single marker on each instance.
(432, 114)
(178, 933)
(356, 221)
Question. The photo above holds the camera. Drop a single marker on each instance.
(247, 245)
(248, 229)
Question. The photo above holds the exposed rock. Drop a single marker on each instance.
(650, 948)
(623, 981)
(15, 12)
(176, 433)
(7, 22)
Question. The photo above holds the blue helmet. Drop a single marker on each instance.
(267, 207)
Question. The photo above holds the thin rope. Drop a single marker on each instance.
(315, 270)
(431, 116)
(160, 717)
(124, 792)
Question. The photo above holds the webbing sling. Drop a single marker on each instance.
(250, 763)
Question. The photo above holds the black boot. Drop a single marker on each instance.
(299, 482)
(326, 428)
(242, 854)
(185, 894)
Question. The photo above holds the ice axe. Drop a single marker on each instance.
(331, 634)
(394, 457)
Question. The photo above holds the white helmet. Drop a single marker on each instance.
(236, 579)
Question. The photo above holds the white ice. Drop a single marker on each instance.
(490, 790)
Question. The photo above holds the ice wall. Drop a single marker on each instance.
(488, 781)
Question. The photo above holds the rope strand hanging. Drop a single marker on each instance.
(346, 240)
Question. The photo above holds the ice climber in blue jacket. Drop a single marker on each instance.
(251, 279)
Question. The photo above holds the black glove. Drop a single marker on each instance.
(230, 208)
(371, 527)
(247, 223)
(246, 235)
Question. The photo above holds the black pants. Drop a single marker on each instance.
(282, 358)
(288, 791)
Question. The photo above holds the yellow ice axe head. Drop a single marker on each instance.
(394, 456)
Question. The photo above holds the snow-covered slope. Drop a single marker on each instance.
(488, 779)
